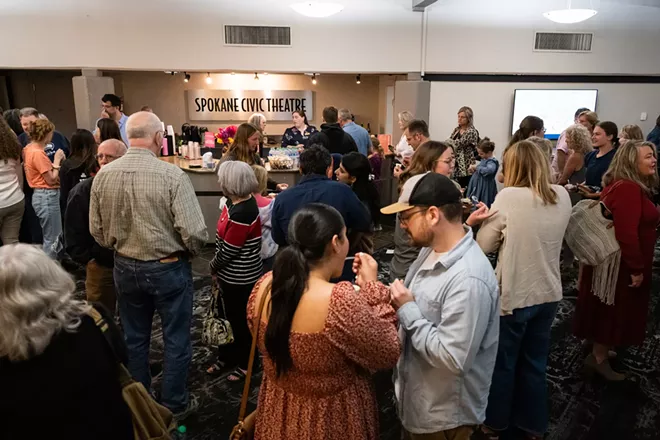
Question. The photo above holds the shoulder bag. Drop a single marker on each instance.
(244, 429)
(590, 235)
(151, 421)
(216, 330)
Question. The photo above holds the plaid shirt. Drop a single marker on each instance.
(145, 209)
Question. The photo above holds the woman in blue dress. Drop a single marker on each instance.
(482, 184)
(299, 134)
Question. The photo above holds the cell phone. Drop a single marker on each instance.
(475, 201)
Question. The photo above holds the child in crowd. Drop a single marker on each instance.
(482, 184)
(376, 157)
(355, 171)
(265, 205)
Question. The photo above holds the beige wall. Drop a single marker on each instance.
(165, 94)
(49, 91)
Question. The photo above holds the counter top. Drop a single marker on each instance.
(184, 164)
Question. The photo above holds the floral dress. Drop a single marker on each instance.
(466, 149)
(328, 393)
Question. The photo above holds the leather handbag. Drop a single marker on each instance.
(151, 421)
(216, 330)
(244, 429)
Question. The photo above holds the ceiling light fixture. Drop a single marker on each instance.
(570, 15)
(314, 78)
(358, 79)
(209, 80)
(317, 9)
(233, 73)
(256, 76)
(186, 77)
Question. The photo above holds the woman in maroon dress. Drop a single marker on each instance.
(629, 184)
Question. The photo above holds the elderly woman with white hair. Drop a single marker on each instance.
(259, 121)
(237, 264)
(58, 372)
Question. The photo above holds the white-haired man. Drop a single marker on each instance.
(147, 212)
(358, 133)
(80, 245)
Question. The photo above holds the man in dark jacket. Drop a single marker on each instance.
(80, 244)
(332, 136)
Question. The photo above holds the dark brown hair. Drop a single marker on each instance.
(423, 160)
(108, 129)
(241, 148)
(486, 145)
(9, 146)
(330, 115)
(528, 126)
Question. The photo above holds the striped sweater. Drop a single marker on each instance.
(238, 244)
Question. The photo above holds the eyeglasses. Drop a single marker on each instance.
(102, 156)
(447, 161)
(406, 216)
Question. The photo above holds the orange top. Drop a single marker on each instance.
(36, 164)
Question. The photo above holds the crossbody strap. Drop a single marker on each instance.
(125, 377)
(248, 377)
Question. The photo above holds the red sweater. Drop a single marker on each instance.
(238, 244)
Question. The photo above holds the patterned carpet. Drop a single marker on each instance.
(580, 408)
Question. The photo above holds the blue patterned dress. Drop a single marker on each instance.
(482, 184)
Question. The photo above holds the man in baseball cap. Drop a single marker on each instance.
(448, 313)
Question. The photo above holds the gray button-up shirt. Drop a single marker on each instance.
(449, 336)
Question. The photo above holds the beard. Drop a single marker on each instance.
(422, 238)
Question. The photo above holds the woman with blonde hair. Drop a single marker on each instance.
(44, 177)
(12, 199)
(589, 120)
(631, 133)
(265, 205)
(532, 214)
(404, 118)
(618, 318)
(466, 139)
(579, 145)
(259, 121)
(55, 362)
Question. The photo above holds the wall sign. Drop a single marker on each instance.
(239, 105)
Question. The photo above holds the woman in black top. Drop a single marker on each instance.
(58, 374)
(299, 134)
(605, 141)
(80, 165)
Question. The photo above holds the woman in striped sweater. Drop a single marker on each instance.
(237, 264)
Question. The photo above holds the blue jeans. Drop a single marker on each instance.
(46, 204)
(518, 394)
(145, 286)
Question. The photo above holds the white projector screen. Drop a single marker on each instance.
(555, 107)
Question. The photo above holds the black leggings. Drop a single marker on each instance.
(236, 298)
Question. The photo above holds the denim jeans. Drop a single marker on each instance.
(142, 288)
(518, 394)
(46, 204)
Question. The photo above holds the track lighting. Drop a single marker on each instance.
(358, 79)
(314, 78)
(256, 76)
(209, 80)
(186, 77)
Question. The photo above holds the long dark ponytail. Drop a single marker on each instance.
(527, 126)
(310, 230)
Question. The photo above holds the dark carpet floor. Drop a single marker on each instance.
(580, 408)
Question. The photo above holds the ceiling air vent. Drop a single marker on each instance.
(257, 35)
(563, 42)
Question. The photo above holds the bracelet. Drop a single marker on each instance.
(56, 168)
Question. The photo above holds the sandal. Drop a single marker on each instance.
(216, 369)
(237, 375)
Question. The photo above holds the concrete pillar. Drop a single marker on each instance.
(414, 96)
(87, 92)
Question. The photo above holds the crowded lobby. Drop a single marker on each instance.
(210, 228)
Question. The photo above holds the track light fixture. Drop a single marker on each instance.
(358, 79)
(314, 78)
(186, 77)
(209, 80)
(256, 76)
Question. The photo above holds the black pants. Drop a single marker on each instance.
(236, 298)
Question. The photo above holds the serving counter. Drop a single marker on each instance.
(205, 183)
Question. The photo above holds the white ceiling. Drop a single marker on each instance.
(482, 13)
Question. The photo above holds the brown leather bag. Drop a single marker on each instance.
(244, 429)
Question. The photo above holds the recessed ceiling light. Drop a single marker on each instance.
(568, 16)
(317, 9)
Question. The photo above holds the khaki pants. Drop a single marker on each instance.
(460, 433)
(100, 285)
(10, 222)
